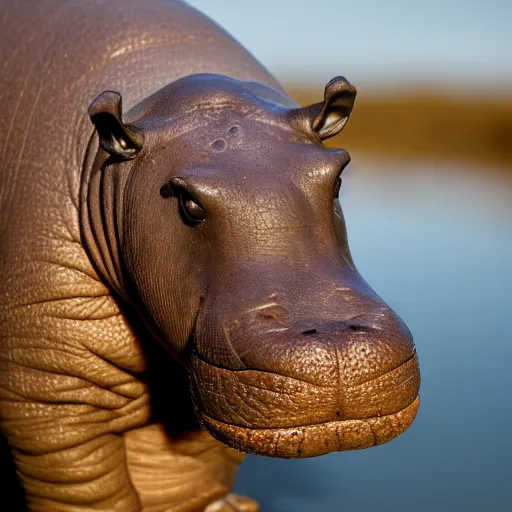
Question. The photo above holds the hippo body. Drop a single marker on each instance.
(181, 264)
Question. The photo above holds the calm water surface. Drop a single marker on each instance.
(435, 241)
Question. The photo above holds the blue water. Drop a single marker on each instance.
(435, 241)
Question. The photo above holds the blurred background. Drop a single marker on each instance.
(428, 204)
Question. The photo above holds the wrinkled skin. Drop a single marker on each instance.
(178, 288)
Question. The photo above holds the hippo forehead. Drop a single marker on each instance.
(232, 149)
(239, 136)
(212, 128)
(207, 103)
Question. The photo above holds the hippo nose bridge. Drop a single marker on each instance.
(273, 316)
(325, 301)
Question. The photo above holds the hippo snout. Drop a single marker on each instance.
(321, 348)
(275, 376)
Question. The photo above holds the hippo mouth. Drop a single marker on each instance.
(268, 414)
(314, 440)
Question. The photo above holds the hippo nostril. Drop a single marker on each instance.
(309, 331)
(268, 315)
(272, 312)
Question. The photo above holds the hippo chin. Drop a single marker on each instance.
(183, 264)
(290, 352)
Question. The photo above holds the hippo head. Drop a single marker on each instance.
(217, 214)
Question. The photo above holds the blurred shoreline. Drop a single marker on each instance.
(413, 122)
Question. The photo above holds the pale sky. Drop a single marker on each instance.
(445, 42)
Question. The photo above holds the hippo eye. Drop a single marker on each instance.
(191, 211)
(337, 187)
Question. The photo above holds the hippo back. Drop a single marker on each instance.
(56, 56)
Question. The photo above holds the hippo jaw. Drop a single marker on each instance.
(314, 439)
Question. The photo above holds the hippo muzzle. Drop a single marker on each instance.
(275, 382)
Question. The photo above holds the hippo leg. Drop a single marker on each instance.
(233, 503)
(183, 475)
(73, 408)
(89, 476)
(89, 459)
(66, 400)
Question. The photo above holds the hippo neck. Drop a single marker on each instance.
(101, 215)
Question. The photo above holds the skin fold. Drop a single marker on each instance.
(177, 284)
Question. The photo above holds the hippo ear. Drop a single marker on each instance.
(329, 118)
(122, 141)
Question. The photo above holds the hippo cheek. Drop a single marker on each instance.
(327, 408)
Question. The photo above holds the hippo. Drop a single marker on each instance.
(177, 287)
